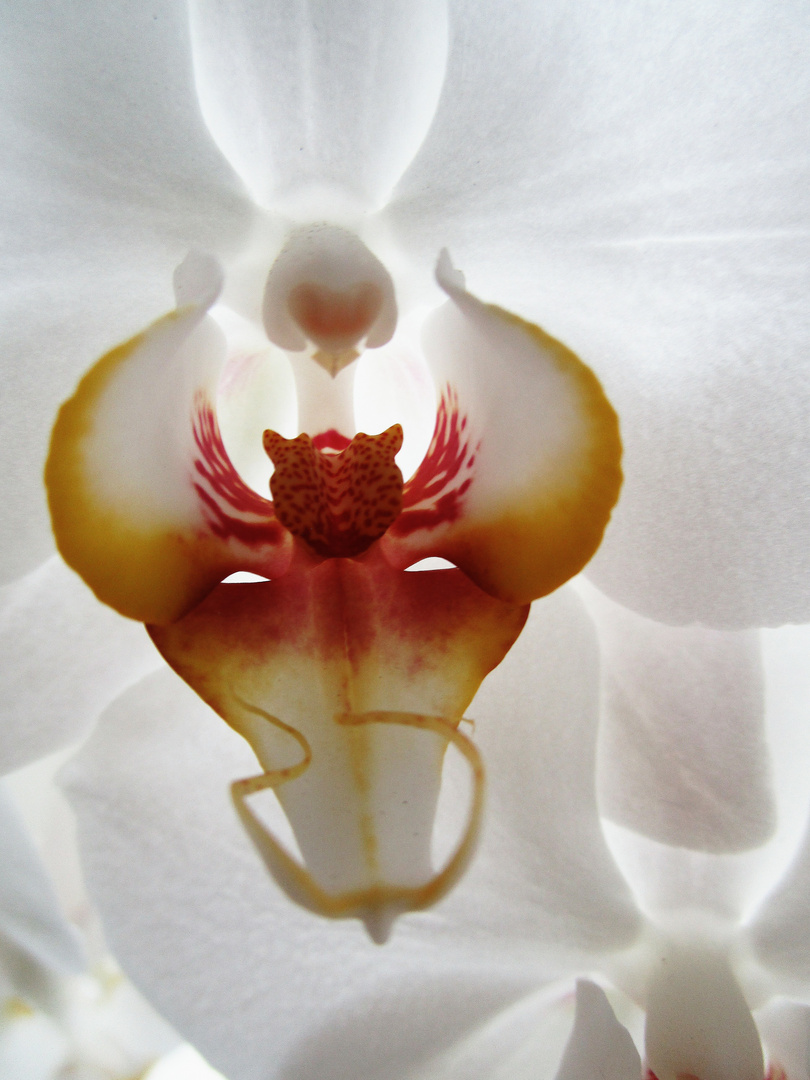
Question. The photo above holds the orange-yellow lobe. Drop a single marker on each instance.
(339, 504)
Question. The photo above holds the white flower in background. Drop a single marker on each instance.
(66, 1011)
(634, 181)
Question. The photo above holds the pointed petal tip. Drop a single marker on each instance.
(198, 280)
(599, 1045)
(447, 276)
(379, 921)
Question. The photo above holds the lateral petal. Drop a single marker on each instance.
(144, 501)
(348, 680)
(524, 467)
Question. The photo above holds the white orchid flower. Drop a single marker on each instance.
(348, 676)
(628, 180)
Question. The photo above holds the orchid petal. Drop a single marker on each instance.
(784, 1028)
(339, 101)
(599, 1045)
(778, 927)
(524, 458)
(779, 931)
(106, 95)
(731, 887)
(544, 873)
(51, 624)
(698, 1022)
(683, 757)
(630, 180)
(521, 1042)
(205, 913)
(108, 178)
(30, 916)
(341, 675)
(144, 500)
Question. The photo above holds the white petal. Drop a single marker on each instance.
(110, 97)
(340, 99)
(65, 658)
(108, 177)
(32, 1047)
(261, 987)
(522, 1042)
(785, 1032)
(732, 886)
(30, 916)
(682, 751)
(599, 1045)
(779, 929)
(698, 1023)
(560, 127)
(543, 869)
(638, 192)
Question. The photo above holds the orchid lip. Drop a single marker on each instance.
(338, 654)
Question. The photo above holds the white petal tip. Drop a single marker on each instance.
(198, 280)
(599, 1045)
(448, 277)
(379, 922)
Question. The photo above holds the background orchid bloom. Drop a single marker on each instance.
(66, 1010)
(632, 181)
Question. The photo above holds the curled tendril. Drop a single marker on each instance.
(379, 904)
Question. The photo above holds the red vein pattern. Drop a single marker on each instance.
(435, 493)
(232, 510)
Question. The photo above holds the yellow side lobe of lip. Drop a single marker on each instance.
(145, 570)
(546, 532)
